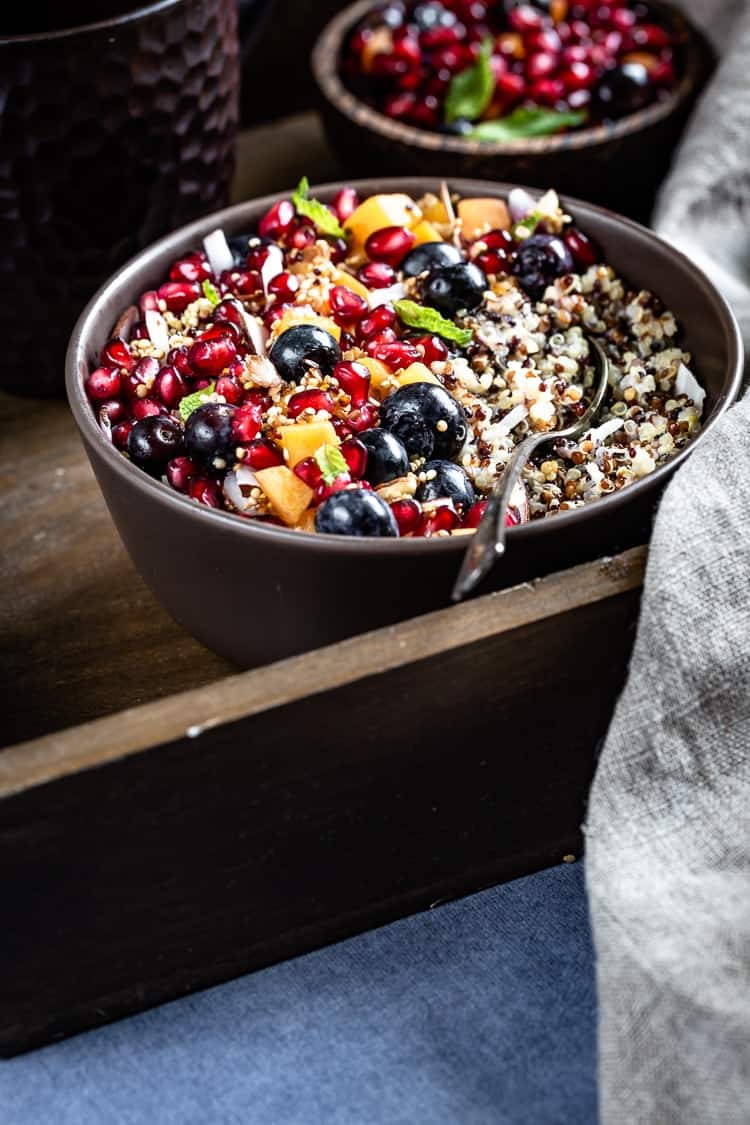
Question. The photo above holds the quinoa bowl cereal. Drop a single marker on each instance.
(366, 366)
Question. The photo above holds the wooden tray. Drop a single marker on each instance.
(167, 825)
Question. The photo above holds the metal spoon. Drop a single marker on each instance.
(488, 541)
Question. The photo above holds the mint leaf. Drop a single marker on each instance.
(324, 220)
(211, 293)
(421, 316)
(331, 462)
(471, 90)
(526, 226)
(191, 402)
(528, 121)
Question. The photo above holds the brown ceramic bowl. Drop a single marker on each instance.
(255, 592)
(619, 165)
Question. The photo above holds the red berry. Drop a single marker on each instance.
(180, 472)
(120, 434)
(389, 244)
(277, 219)
(261, 454)
(113, 410)
(309, 400)
(205, 492)
(145, 408)
(354, 380)
(346, 305)
(140, 380)
(103, 383)
(246, 422)
(231, 389)
(178, 357)
(117, 354)
(408, 514)
(376, 275)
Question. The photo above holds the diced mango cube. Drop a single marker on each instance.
(433, 209)
(481, 215)
(289, 496)
(341, 277)
(426, 232)
(416, 373)
(304, 439)
(396, 210)
(305, 316)
(378, 372)
(306, 521)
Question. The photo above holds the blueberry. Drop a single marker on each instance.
(452, 288)
(459, 128)
(208, 435)
(430, 256)
(449, 482)
(386, 456)
(433, 15)
(539, 260)
(426, 419)
(355, 511)
(153, 442)
(623, 89)
(238, 244)
(302, 346)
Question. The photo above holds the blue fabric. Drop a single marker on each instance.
(480, 1012)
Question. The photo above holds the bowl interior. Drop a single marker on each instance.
(708, 331)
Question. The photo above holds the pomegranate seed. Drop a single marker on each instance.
(225, 331)
(399, 106)
(309, 400)
(229, 312)
(117, 354)
(475, 513)
(283, 286)
(192, 268)
(574, 54)
(354, 380)
(355, 455)
(245, 283)
(342, 430)
(381, 317)
(363, 419)
(493, 261)
(525, 18)
(580, 31)
(662, 73)
(300, 235)
(339, 249)
(387, 336)
(541, 65)
(548, 91)
(180, 472)
(138, 382)
(408, 515)
(389, 244)
(140, 332)
(425, 112)
(178, 357)
(170, 387)
(230, 387)
(376, 275)
(345, 203)
(261, 454)
(511, 86)
(177, 295)
(205, 492)
(145, 408)
(406, 46)
(277, 219)
(257, 254)
(579, 99)
(309, 471)
(583, 250)
(547, 40)
(103, 383)
(276, 312)
(578, 76)
(209, 357)
(113, 410)
(246, 421)
(443, 518)
(512, 517)
(433, 349)
(120, 434)
(323, 490)
(149, 301)
(650, 35)
(259, 398)
(442, 36)
(398, 354)
(623, 19)
(345, 304)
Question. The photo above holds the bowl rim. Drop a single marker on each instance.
(178, 240)
(141, 11)
(324, 63)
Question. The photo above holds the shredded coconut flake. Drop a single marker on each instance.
(687, 384)
(219, 255)
(156, 326)
(386, 296)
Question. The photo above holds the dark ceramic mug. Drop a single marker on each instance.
(117, 124)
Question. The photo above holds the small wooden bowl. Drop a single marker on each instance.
(619, 165)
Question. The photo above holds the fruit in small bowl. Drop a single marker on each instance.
(259, 584)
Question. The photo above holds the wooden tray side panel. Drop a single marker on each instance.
(126, 885)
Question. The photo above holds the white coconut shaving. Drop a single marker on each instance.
(272, 267)
(262, 372)
(237, 486)
(601, 433)
(511, 420)
(386, 296)
(157, 329)
(520, 204)
(687, 384)
(217, 250)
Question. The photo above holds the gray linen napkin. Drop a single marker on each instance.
(668, 831)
